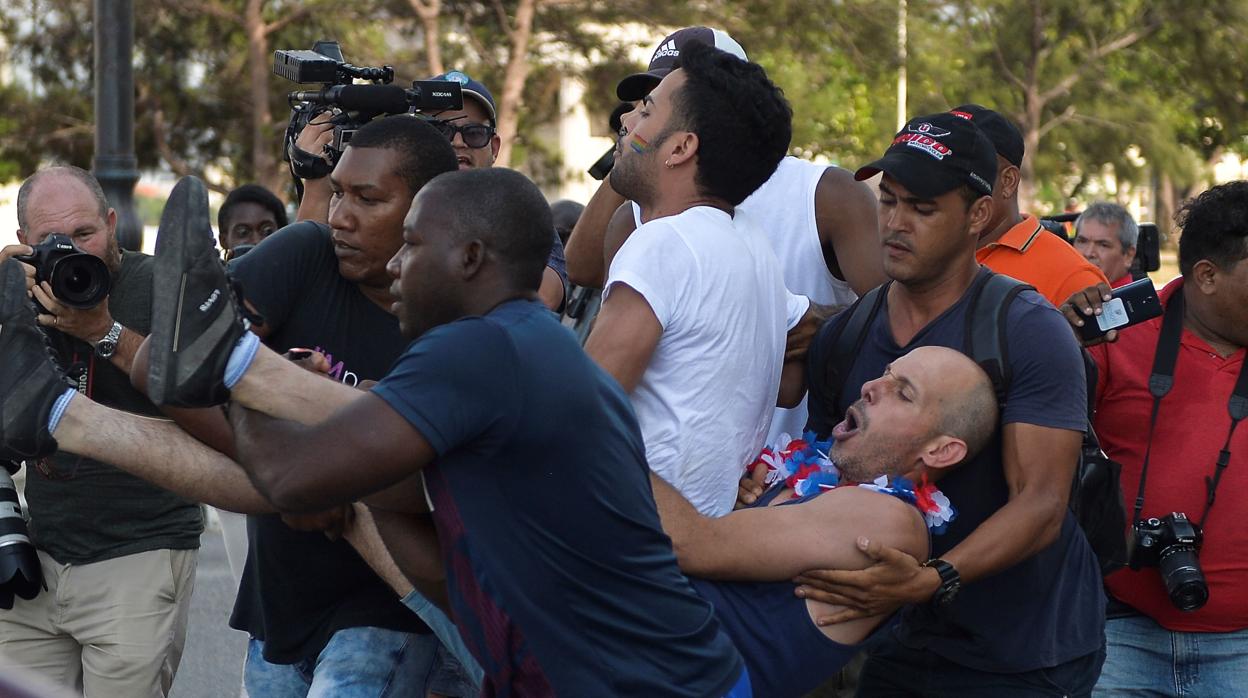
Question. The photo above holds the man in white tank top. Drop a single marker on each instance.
(695, 310)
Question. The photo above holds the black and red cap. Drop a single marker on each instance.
(1005, 136)
(667, 55)
(937, 153)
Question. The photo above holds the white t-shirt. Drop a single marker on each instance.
(705, 401)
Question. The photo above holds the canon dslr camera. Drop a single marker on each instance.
(1171, 544)
(78, 280)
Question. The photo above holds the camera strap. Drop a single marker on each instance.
(1159, 384)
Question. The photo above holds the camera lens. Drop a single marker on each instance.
(1185, 583)
(20, 573)
(80, 280)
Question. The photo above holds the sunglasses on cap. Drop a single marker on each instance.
(474, 135)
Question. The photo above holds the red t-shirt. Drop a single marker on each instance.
(1191, 427)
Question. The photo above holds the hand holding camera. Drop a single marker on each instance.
(69, 286)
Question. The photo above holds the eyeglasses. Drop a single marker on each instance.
(474, 135)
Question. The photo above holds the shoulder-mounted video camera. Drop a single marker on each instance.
(351, 104)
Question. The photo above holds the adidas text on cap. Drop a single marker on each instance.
(937, 153)
(667, 54)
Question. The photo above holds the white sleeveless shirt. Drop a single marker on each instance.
(784, 208)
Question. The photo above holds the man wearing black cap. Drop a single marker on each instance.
(1030, 619)
(1016, 245)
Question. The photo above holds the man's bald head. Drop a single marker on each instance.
(60, 174)
(966, 404)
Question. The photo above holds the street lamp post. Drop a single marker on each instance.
(115, 165)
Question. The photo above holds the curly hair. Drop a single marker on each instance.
(742, 121)
(1215, 227)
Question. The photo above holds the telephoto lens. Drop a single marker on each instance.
(1185, 583)
(20, 573)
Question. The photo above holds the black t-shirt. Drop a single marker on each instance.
(1049, 608)
(83, 511)
(299, 588)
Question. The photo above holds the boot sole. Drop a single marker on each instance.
(169, 284)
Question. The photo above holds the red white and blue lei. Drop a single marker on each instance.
(803, 464)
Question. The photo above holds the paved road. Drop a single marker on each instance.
(212, 664)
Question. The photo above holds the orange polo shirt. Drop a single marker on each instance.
(1035, 256)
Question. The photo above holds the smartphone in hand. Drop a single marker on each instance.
(1131, 305)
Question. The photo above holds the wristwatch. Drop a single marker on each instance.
(105, 348)
(950, 581)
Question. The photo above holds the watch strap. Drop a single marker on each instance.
(107, 346)
(950, 581)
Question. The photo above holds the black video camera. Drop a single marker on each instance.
(352, 105)
(78, 279)
(1172, 544)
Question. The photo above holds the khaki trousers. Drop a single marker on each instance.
(111, 629)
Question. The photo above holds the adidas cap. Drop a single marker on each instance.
(638, 85)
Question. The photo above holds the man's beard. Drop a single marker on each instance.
(112, 255)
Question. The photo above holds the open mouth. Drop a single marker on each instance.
(848, 426)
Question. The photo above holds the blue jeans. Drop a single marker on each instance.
(1145, 659)
(893, 669)
(356, 663)
(457, 672)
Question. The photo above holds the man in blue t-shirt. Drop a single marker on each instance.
(558, 573)
(1011, 602)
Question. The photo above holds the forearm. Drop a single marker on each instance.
(314, 206)
(362, 534)
(584, 250)
(273, 452)
(680, 520)
(412, 543)
(1027, 524)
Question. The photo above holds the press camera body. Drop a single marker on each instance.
(78, 279)
(1172, 544)
(351, 104)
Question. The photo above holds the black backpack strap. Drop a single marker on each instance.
(986, 340)
(846, 343)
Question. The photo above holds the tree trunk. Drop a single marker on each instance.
(263, 145)
(514, 78)
(429, 13)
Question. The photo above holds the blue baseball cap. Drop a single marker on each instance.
(472, 88)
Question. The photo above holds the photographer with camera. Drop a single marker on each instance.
(118, 554)
(1170, 393)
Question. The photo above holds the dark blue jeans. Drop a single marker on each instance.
(895, 670)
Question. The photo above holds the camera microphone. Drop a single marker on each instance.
(370, 99)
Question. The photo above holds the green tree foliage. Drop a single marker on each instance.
(1147, 89)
